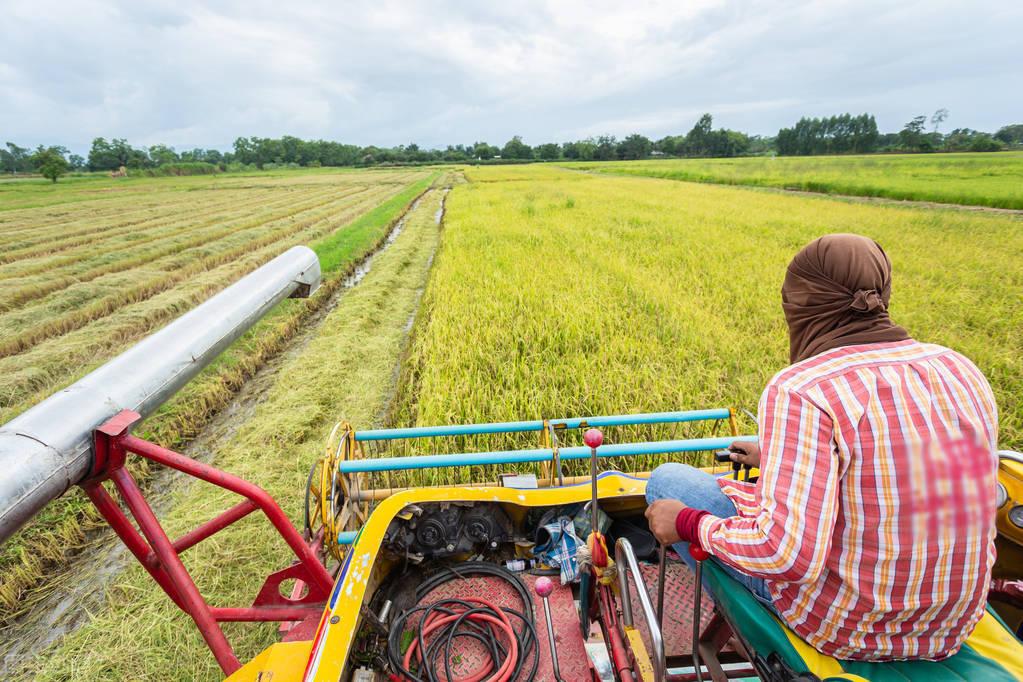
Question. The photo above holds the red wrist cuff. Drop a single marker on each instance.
(687, 524)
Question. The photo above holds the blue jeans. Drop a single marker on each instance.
(700, 490)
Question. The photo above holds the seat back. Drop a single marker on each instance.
(991, 653)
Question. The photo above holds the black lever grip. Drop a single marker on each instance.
(723, 455)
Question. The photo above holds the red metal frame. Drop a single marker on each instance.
(161, 557)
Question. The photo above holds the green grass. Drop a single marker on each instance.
(44, 544)
(994, 179)
(346, 372)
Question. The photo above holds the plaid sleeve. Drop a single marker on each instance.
(789, 538)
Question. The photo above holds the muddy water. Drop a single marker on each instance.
(80, 588)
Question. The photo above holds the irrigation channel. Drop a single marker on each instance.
(79, 589)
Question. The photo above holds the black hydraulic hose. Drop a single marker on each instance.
(463, 626)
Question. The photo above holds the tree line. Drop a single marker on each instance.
(839, 134)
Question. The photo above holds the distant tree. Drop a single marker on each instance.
(548, 152)
(457, 153)
(484, 151)
(515, 148)
(983, 142)
(912, 135)
(840, 134)
(112, 155)
(635, 146)
(15, 159)
(290, 149)
(938, 117)
(761, 145)
(583, 150)
(75, 162)
(698, 139)
(888, 141)
(605, 148)
(244, 151)
(1010, 134)
(50, 163)
(671, 145)
(161, 154)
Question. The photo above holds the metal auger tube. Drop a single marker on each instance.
(47, 449)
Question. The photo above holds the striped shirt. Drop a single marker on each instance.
(873, 517)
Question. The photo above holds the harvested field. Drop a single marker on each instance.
(75, 295)
(345, 369)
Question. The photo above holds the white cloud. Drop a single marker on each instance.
(193, 73)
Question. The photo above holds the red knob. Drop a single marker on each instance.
(697, 552)
(544, 586)
(593, 438)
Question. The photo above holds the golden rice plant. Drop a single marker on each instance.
(558, 293)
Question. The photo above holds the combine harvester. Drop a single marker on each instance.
(453, 581)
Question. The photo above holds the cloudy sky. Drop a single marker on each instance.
(190, 73)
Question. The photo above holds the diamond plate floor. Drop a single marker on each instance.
(470, 656)
(677, 629)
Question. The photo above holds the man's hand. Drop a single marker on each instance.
(661, 516)
(749, 453)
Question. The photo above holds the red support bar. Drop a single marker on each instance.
(319, 579)
(215, 525)
(260, 614)
(113, 515)
(182, 581)
(158, 555)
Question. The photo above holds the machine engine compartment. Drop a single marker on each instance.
(461, 557)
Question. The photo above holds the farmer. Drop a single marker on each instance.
(870, 531)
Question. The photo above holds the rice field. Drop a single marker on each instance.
(552, 293)
(992, 179)
(83, 279)
(559, 294)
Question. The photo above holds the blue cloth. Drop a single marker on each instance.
(556, 546)
(699, 490)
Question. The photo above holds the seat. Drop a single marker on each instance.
(991, 653)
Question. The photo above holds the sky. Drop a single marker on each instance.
(200, 74)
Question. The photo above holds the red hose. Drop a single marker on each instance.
(498, 624)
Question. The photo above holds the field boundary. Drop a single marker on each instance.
(55, 538)
(883, 201)
(866, 196)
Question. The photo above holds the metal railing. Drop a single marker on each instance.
(47, 449)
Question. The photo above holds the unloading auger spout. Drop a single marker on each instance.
(47, 449)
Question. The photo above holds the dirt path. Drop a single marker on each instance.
(80, 590)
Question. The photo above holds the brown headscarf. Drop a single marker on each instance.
(836, 293)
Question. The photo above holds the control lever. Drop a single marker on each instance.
(724, 457)
(593, 439)
(662, 565)
(544, 586)
(700, 555)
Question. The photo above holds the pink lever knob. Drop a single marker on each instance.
(544, 586)
(697, 552)
(593, 438)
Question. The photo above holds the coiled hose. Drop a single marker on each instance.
(469, 618)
